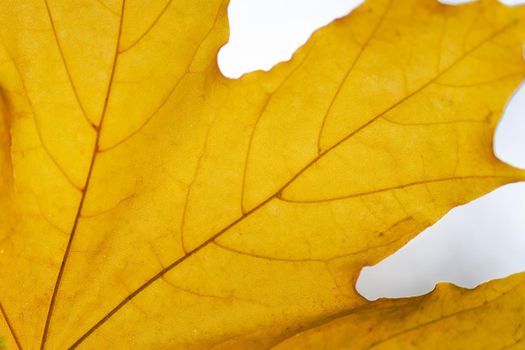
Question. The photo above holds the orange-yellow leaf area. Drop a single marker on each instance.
(148, 202)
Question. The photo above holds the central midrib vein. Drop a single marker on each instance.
(86, 185)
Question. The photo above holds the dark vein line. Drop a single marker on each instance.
(362, 49)
(10, 326)
(150, 27)
(50, 155)
(348, 312)
(470, 29)
(454, 314)
(320, 321)
(147, 120)
(210, 296)
(270, 258)
(163, 272)
(110, 209)
(451, 122)
(484, 82)
(183, 219)
(441, 40)
(48, 220)
(319, 260)
(103, 4)
(249, 149)
(227, 338)
(426, 324)
(397, 104)
(189, 189)
(386, 189)
(259, 118)
(178, 261)
(168, 95)
(86, 185)
(192, 292)
(66, 67)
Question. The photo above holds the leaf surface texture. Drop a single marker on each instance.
(149, 202)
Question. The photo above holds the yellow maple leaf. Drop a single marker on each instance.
(149, 202)
(490, 317)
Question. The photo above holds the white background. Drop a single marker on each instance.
(473, 243)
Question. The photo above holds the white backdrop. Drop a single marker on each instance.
(473, 243)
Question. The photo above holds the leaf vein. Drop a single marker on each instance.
(86, 186)
(257, 121)
(189, 189)
(181, 259)
(348, 72)
(150, 27)
(320, 260)
(443, 317)
(386, 189)
(66, 67)
(167, 97)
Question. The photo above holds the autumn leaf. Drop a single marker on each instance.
(149, 202)
(490, 317)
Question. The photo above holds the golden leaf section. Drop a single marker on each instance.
(490, 317)
(149, 202)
